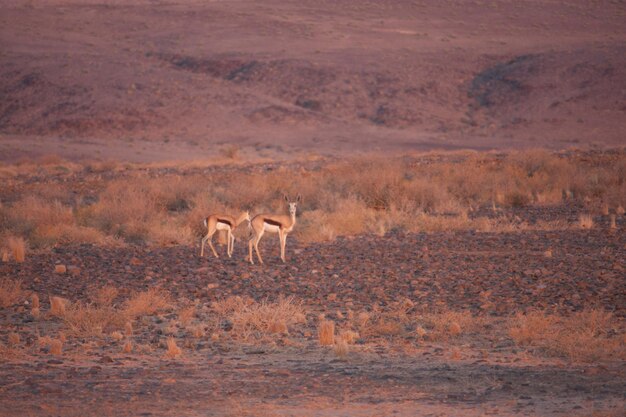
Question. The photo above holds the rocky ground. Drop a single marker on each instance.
(492, 275)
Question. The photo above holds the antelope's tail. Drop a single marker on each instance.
(204, 222)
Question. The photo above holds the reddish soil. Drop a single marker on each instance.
(406, 377)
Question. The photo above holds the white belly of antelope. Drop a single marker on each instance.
(222, 226)
(270, 228)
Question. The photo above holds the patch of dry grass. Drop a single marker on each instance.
(34, 301)
(17, 248)
(585, 221)
(185, 314)
(587, 336)
(146, 303)
(362, 195)
(9, 353)
(56, 347)
(58, 306)
(11, 292)
(128, 347)
(326, 332)
(448, 324)
(256, 321)
(13, 339)
(173, 351)
(104, 296)
(92, 321)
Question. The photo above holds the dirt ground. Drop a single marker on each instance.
(485, 375)
(280, 82)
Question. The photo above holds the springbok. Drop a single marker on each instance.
(216, 222)
(274, 223)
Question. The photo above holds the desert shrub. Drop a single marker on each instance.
(360, 195)
(256, 321)
(17, 248)
(587, 336)
(449, 324)
(326, 332)
(11, 292)
(89, 320)
(146, 303)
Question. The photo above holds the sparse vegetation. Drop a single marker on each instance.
(586, 336)
(363, 195)
(326, 332)
(146, 303)
(173, 351)
(586, 221)
(257, 321)
(17, 248)
(10, 292)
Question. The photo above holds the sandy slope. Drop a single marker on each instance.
(321, 75)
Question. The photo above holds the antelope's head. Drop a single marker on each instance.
(293, 204)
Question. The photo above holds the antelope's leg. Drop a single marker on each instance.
(283, 241)
(204, 239)
(256, 246)
(210, 241)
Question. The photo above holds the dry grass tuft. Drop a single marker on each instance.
(10, 292)
(197, 331)
(56, 347)
(326, 332)
(278, 327)
(585, 221)
(117, 335)
(386, 327)
(104, 296)
(34, 299)
(147, 303)
(420, 332)
(447, 324)
(341, 348)
(128, 329)
(58, 306)
(613, 224)
(128, 347)
(173, 350)
(620, 210)
(252, 320)
(587, 336)
(185, 314)
(348, 336)
(454, 328)
(14, 339)
(8, 353)
(36, 313)
(17, 247)
(88, 320)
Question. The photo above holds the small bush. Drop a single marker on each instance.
(17, 247)
(326, 332)
(146, 303)
(10, 292)
(587, 336)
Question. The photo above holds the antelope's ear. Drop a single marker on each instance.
(286, 199)
(298, 198)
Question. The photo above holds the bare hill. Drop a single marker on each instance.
(321, 75)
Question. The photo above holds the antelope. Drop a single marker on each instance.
(216, 222)
(274, 223)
